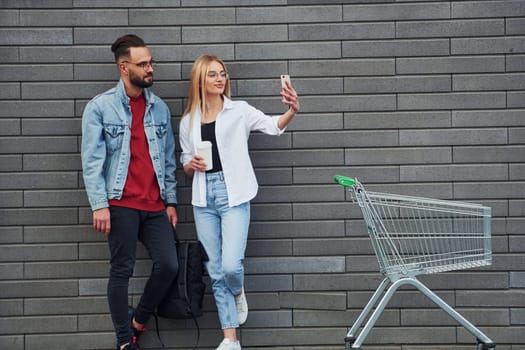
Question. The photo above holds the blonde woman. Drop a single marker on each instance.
(221, 195)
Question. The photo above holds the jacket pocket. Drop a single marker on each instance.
(160, 130)
(113, 134)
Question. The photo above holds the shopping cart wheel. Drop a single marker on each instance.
(483, 346)
(348, 343)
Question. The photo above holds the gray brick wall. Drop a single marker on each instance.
(414, 97)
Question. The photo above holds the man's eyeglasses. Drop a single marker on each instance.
(213, 74)
(144, 65)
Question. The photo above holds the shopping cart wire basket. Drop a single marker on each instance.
(414, 236)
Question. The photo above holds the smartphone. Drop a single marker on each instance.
(285, 77)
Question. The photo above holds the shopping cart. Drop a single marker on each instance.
(417, 236)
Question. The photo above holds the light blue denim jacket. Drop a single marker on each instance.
(106, 135)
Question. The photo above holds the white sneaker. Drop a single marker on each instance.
(242, 308)
(227, 344)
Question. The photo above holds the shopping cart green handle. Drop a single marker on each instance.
(344, 180)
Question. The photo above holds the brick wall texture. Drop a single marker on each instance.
(423, 98)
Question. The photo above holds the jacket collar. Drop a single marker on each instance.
(148, 95)
(228, 104)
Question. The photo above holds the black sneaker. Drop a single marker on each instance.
(134, 331)
(131, 345)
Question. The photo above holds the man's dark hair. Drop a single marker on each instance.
(121, 46)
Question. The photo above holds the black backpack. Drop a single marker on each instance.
(186, 293)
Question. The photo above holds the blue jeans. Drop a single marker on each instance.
(154, 230)
(223, 231)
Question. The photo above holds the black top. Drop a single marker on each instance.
(208, 134)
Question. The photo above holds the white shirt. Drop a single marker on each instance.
(232, 130)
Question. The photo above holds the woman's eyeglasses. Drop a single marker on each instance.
(214, 75)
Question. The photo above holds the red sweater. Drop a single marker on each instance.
(141, 190)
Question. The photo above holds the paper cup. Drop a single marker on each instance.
(204, 150)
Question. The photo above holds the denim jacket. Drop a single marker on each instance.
(106, 135)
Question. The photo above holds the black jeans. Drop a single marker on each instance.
(156, 233)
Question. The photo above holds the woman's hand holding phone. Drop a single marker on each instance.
(289, 94)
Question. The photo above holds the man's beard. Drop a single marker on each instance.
(141, 83)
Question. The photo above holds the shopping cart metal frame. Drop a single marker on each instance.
(415, 236)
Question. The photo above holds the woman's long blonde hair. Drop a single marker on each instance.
(199, 71)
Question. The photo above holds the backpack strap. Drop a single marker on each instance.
(157, 328)
(182, 278)
(198, 331)
(194, 321)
